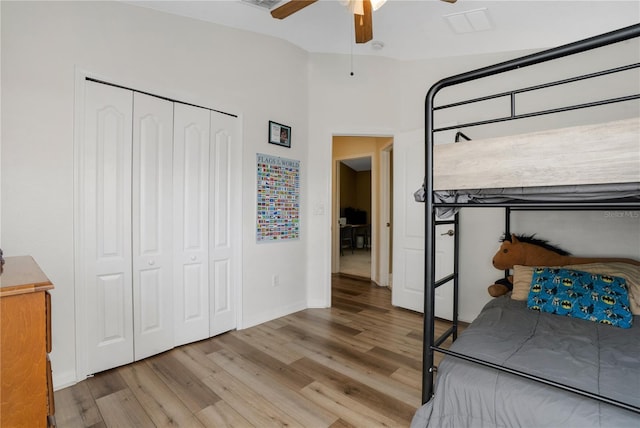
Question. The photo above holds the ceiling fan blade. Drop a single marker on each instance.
(450, 1)
(364, 24)
(290, 8)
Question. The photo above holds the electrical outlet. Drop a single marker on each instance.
(275, 280)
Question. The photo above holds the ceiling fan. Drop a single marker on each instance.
(361, 10)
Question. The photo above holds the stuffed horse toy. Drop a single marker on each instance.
(528, 251)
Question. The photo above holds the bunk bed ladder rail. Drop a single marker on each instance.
(430, 343)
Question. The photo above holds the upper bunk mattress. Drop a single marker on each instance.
(602, 153)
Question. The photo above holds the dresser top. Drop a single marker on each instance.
(22, 275)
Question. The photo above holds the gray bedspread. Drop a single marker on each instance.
(597, 358)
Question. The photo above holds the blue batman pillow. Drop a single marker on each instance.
(593, 297)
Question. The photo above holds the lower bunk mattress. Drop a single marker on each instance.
(568, 193)
(597, 358)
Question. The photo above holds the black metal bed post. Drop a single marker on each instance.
(429, 259)
(507, 229)
(456, 279)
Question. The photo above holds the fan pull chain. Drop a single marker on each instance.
(351, 73)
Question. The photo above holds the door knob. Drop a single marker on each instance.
(449, 232)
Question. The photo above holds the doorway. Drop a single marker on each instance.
(354, 176)
(371, 241)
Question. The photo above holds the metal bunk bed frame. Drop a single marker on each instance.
(431, 343)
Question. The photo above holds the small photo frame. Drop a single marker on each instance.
(279, 134)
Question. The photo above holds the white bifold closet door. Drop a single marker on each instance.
(224, 155)
(191, 231)
(128, 241)
(159, 230)
(106, 206)
(203, 271)
(152, 223)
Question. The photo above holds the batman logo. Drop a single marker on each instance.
(607, 278)
(536, 288)
(535, 308)
(606, 322)
(608, 300)
(566, 304)
(567, 282)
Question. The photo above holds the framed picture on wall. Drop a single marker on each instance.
(279, 134)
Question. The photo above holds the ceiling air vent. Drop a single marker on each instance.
(470, 21)
(263, 4)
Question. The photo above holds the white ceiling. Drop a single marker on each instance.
(417, 29)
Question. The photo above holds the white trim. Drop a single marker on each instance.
(273, 314)
(237, 203)
(64, 380)
(80, 297)
(385, 215)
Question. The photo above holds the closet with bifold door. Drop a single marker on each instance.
(158, 258)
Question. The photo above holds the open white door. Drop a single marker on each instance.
(408, 232)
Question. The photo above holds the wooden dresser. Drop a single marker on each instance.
(26, 394)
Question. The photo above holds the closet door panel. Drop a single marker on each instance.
(222, 238)
(106, 235)
(191, 223)
(152, 224)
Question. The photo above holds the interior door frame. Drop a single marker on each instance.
(385, 224)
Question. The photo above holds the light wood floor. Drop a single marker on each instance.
(356, 263)
(355, 364)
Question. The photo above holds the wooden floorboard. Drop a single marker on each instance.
(356, 364)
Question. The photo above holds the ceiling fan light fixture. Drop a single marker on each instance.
(357, 7)
(377, 4)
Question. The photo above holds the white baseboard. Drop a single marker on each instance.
(63, 380)
(271, 315)
(315, 304)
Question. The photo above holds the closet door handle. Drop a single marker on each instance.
(193, 258)
(151, 262)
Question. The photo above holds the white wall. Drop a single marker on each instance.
(400, 89)
(257, 77)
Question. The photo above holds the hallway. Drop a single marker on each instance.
(357, 263)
